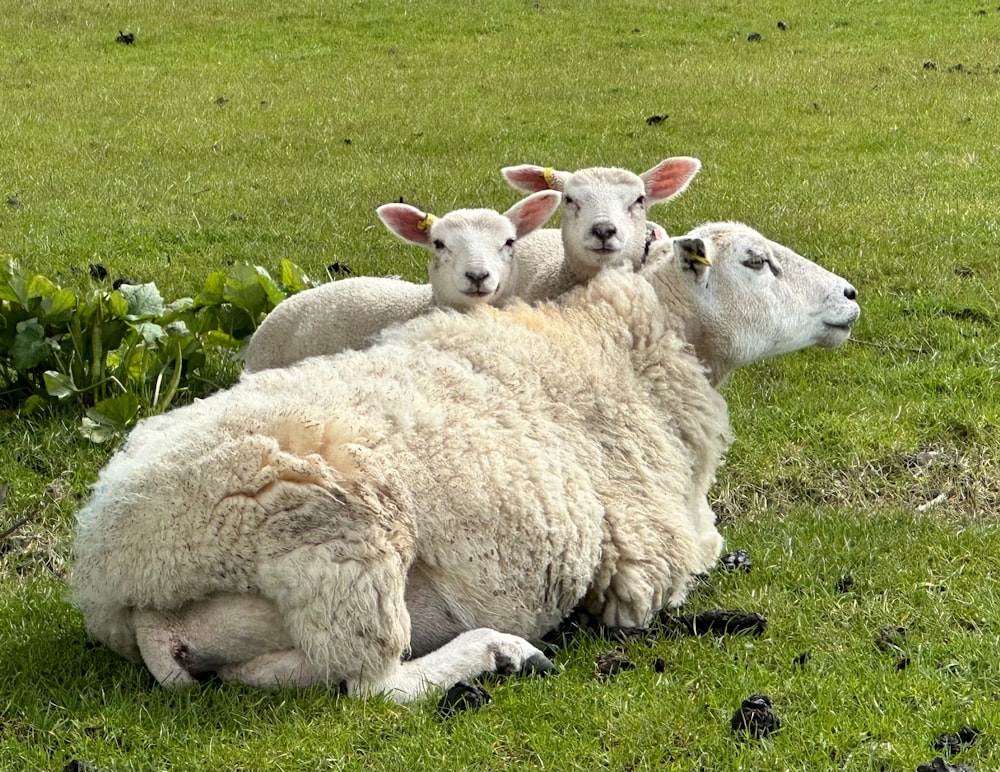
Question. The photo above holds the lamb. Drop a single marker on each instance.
(471, 263)
(604, 221)
(450, 493)
(348, 314)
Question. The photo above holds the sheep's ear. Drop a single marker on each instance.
(669, 178)
(407, 222)
(693, 254)
(533, 212)
(531, 179)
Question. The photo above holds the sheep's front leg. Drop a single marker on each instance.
(470, 655)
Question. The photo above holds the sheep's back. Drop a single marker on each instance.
(334, 317)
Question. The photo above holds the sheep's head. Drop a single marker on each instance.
(743, 298)
(471, 249)
(604, 208)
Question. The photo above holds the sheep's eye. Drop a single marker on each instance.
(755, 260)
(438, 244)
(509, 244)
(639, 202)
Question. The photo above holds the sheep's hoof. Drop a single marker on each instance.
(538, 665)
(463, 696)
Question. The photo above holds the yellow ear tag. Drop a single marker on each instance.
(426, 223)
(550, 179)
(703, 259)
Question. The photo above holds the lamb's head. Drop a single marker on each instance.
(604, 208)
(742, 297)
(471, 249)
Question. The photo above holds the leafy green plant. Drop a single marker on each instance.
(124, 352)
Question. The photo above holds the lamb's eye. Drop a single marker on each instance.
(509, 244)
(438, 244)
(639, 202)
(567, 201)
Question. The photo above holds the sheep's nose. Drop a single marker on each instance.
(850, 293)
(603, 230)
(477, 277)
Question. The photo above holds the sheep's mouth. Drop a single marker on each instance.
(841, 327)
(479, 293)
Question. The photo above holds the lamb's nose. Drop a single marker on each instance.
(850, 293)
(477, 277)
(603, 230)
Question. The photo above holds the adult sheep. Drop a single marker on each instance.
(451, 492)
(471, 262)
(603, 222)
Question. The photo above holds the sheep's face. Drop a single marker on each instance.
(471, 257)
(604, 219)
(756, 299)
(471, 250)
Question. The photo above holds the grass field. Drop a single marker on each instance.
(863, 135)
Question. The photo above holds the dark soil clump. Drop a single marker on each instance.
(755, 717)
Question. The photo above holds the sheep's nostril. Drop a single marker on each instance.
(604, 231)
(477, 277)
(850, 293)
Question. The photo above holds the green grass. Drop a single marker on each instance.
(853, 137)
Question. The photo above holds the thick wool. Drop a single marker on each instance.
(517, 463)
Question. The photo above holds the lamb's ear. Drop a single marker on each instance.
(407, 222)
(532, 212)
(669, 178)
(693, 254)
(531, 179)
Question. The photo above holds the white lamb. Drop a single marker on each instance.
(471, 263)
(603, 222)
(450, 492)
(347, 314)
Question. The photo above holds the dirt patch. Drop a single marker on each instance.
(755, 718)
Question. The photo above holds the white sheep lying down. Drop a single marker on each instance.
(452, 492)
(472, 262)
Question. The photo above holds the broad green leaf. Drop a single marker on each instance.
(59, 385)
(177, 329)
(13, 286)
(212, 291)
(149, 331)
(244, 291)
(274, 293)
(109, 417)
(143, 299)
(293, 277)
(117, 305)
(58, 307)
(6, 276)
(178, 306)
(96, 430)
(40, 287)
(30, 347)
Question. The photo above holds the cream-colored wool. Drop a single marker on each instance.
(490, 470)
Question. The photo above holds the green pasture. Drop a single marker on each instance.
(864, 481)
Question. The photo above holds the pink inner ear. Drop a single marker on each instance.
(669, 178)
(527, 178)
(404, 220)
(531, 213)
